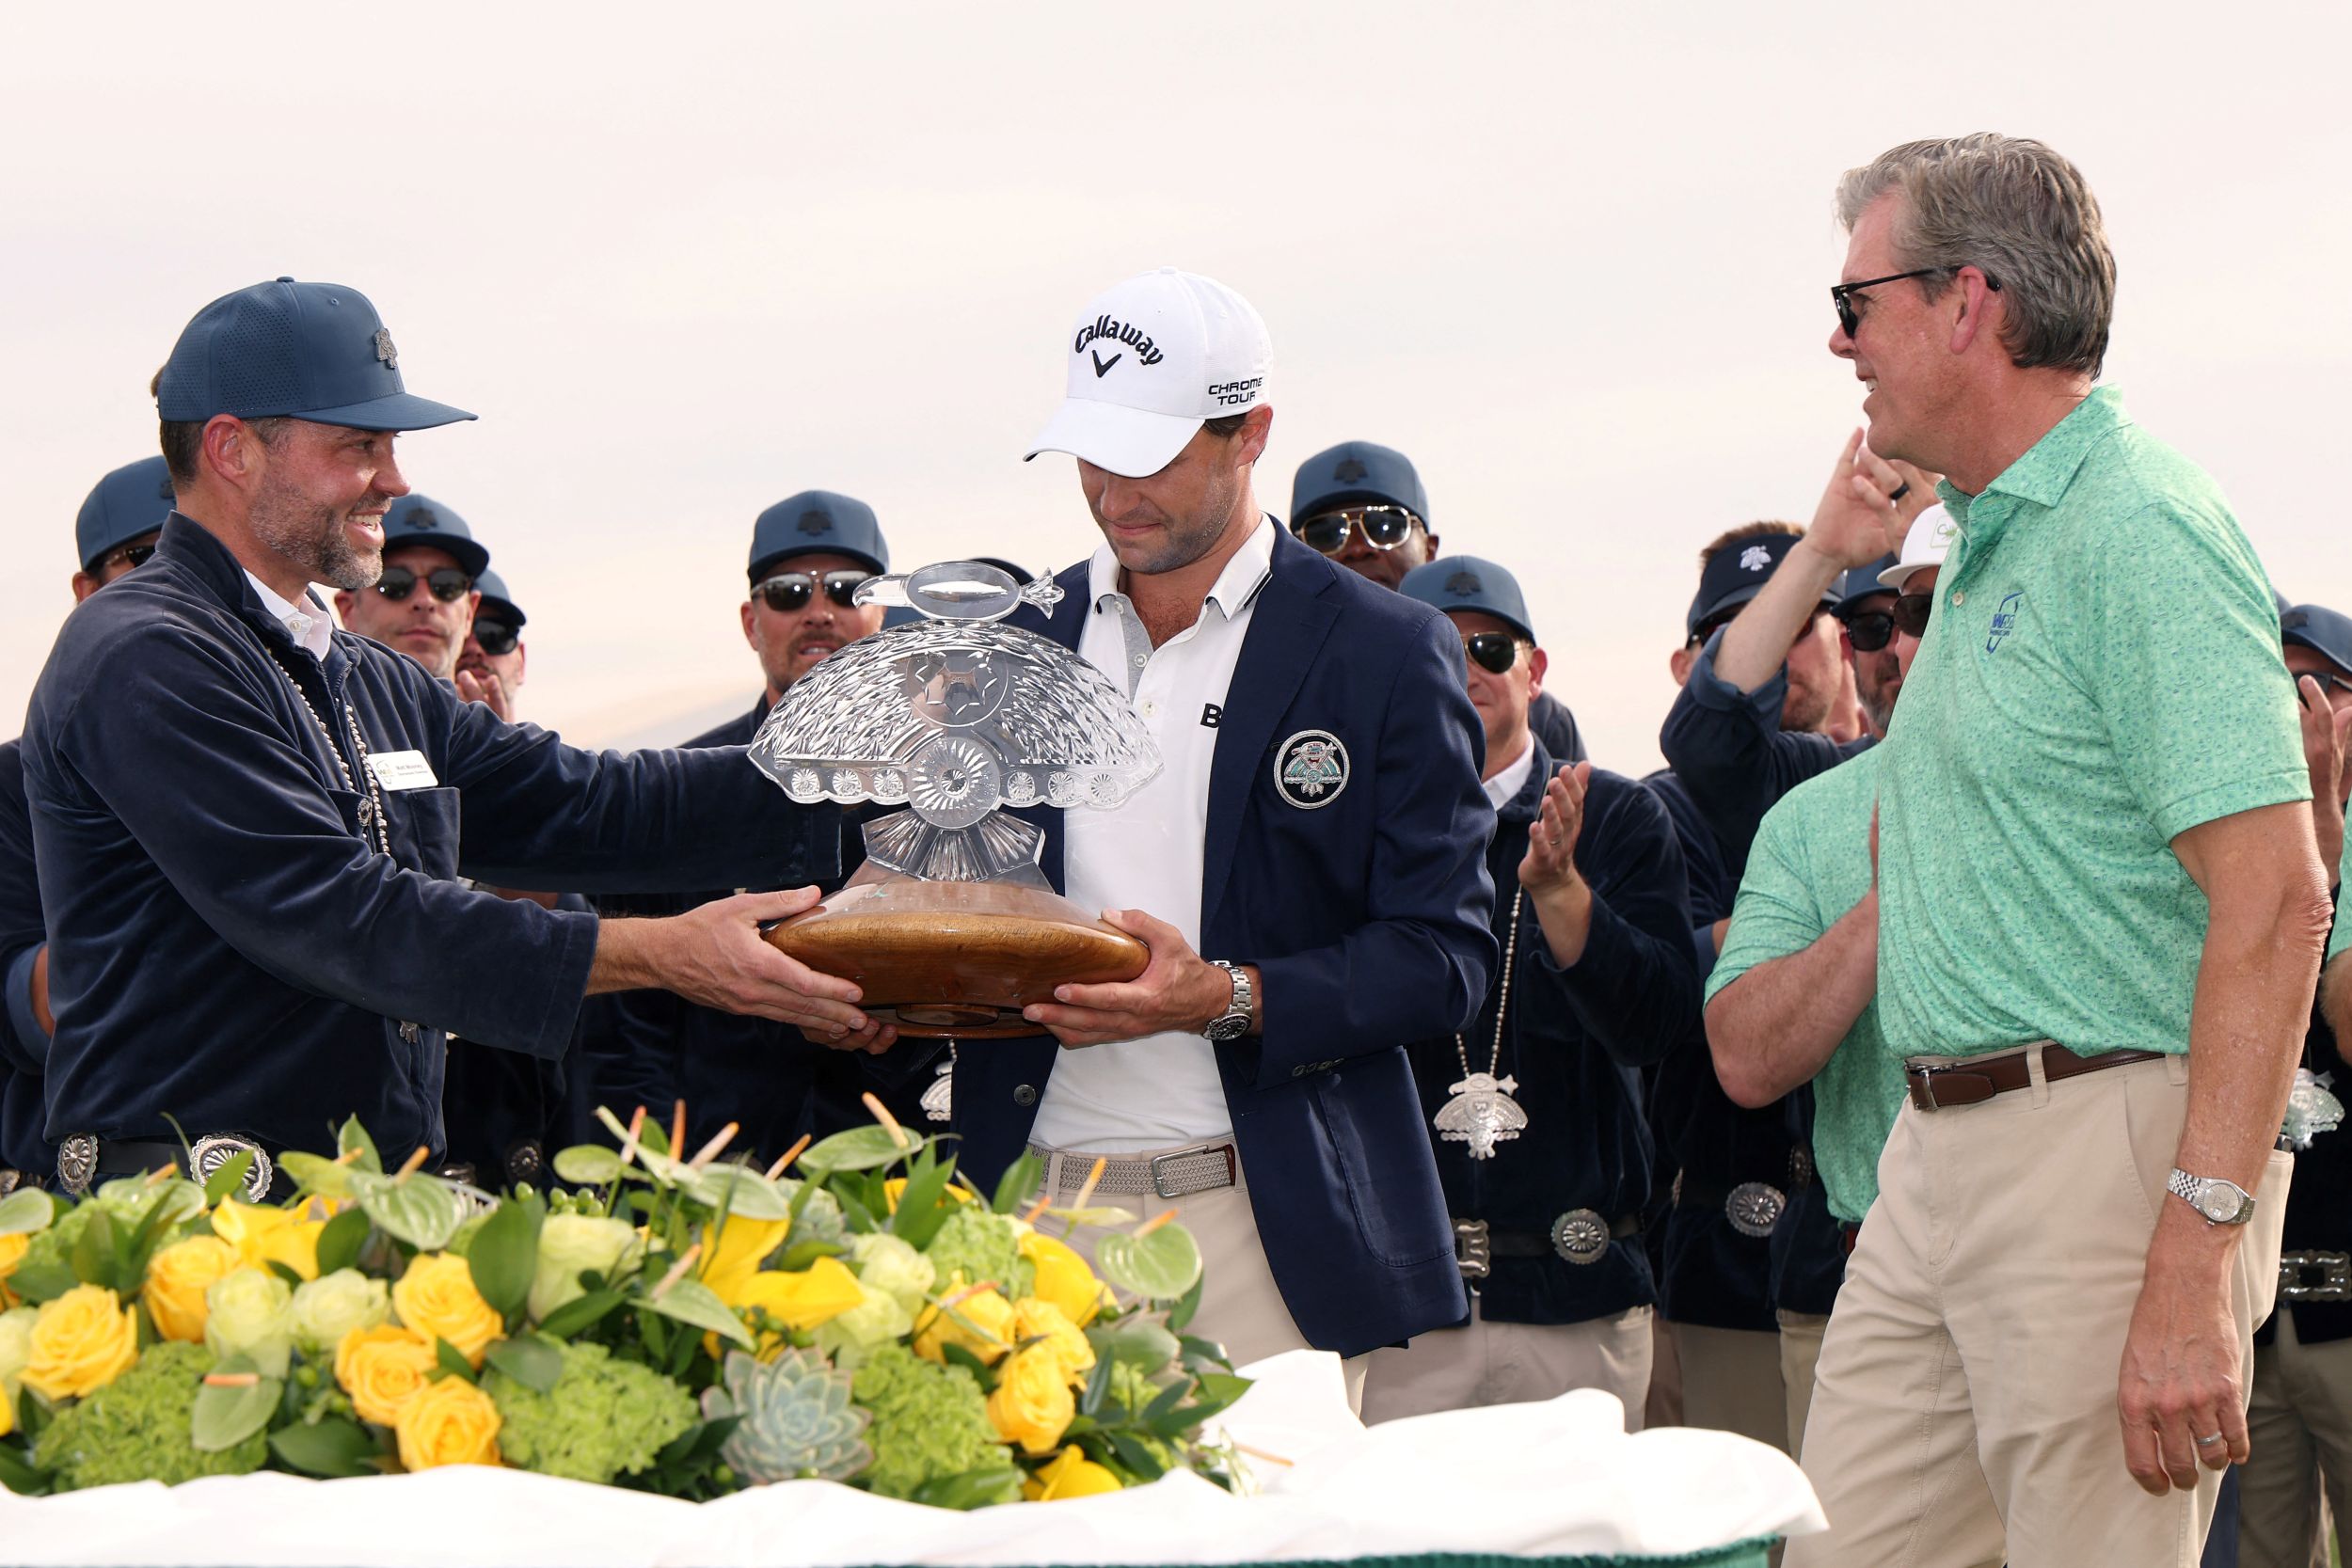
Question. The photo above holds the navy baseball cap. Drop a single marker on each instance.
(1466, 582)
(416, 519)
(1738, 572)
(1857, 583)
(497, 603)
(134, 499)
(304, 351)
(2322, 630)
(1357, 473)
(817, 522)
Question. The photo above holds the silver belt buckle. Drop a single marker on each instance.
(77, 1163)
(2333, 1284)
(1473, 1253)
(207, 1155)
(1168, 1186)
(1581, 1236)
(1753, 1207)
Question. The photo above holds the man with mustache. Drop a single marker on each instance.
(247, 823)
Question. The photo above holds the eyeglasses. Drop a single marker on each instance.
(1842, 294)
(790, 591)
(1870, 630)
(447, 583)
(495, 637)
(1910, 613)
(134, 556)
(1494, 652)
(1384, 528)
(2328, 681)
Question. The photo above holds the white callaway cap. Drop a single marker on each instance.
(1930, 535)
(1150, 359)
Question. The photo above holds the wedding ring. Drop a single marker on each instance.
(2209, 1442)
(1899, 491)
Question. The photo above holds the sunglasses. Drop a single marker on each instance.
(790, 591)
(2328, 681)
(447, 583)
(1494, 652)
(1384, 528)
(1842, 294)
(495, 637)
(135, 556)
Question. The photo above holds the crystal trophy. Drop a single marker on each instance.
(950, 926)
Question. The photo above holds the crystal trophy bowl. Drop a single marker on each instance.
(951, 927)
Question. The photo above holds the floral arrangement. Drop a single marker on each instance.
(684, 1325)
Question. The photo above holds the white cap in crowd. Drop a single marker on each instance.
(1930, 535)
(1151, 359)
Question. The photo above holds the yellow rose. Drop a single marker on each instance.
(11, 1253)
(177, 1279)
(382, 1368)
(1064, 1278)
(83, 1340)
(437, 1298)
(1035, 1318)
(1071, 1474)
(1032, 1405)
(981, 1322)
(450, 1422)
(265, 1235)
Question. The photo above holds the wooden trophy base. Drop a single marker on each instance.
(959, 958)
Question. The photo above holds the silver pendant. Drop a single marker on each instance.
(939, 1099)
(1482, 1113)
(409, 1032)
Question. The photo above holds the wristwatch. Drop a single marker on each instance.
(2221, 1202)
(1233, 1021)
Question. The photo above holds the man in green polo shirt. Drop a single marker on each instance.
(2097, 882)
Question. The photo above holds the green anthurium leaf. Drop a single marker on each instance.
(504, 1254)
(972, 1489)
(1141, 1343)
(582, 1313)
(529, 1360)
(1180, 1314)
(1160, 1264)
(859, 1148)
(23, 1213)
(588, 1164)
(230, 1179)
(423, 1211)
(94, 1251)
(738, 1191)
(690, 1301)
(332, 1448)
(1017, 1187)
(39, 1282)
(315, 1173)
(225, 1414)
(350, 1135)
(340, 1241)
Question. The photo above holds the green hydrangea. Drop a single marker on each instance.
(137, 1428)
(930, 1421)
(54, 1245)
(984, 1247)
(603, 1417)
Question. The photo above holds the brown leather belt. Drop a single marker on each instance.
(1939, 1087)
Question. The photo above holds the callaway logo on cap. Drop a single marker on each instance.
(1149, 361)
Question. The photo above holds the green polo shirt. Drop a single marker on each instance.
(2341, 937)
(1810, 865)
(2101, 673)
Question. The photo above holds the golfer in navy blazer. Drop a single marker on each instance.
(1339, 830)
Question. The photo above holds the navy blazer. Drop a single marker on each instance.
(1366, 917)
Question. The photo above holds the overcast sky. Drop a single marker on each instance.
(685, 260)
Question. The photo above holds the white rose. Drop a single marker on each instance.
(568, 1245)
(330, 1306)
(888, 1265)
(249, 1311)
(16, 1346)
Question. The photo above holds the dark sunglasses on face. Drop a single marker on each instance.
(1384, 528)
(790, 591)
(1842, 294)
(134, 556)
(1910, 613)
(447, 583)
(1492, 651)
(2328, 681)
(1870, 630)
(495, 637)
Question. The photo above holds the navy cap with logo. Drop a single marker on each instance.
(1857, 583)
(1357, 473)
(2322, 630)
(817, 522)
(1737, 574)
(134, 499)
(305, 350)
(497, 603)
(1466, 582)
(415, 520)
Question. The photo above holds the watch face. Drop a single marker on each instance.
(2218, 1203)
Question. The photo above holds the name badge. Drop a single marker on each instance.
(401, 769)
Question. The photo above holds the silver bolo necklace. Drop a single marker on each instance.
(1481, 1112)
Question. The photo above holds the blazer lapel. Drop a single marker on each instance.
(1287, 629)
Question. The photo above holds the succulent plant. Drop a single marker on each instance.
(821, 1219)
(797, 1419)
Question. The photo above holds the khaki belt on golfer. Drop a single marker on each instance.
(1940, 1085)
(1178, 1173)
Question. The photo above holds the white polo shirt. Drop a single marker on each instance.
(1163, 1089)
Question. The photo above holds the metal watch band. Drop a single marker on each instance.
(2197, 1190)
(1234, 1021)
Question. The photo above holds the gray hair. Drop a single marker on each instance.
(2019, 213)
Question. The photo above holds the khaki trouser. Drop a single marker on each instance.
(1492, 1363)
(1731, 1382)
(1664, 1407)
(2301, 1421)
(1799, 1349)
(1965, 1404)
(1241, 1307)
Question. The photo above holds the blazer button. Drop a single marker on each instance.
(1024, 1094)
